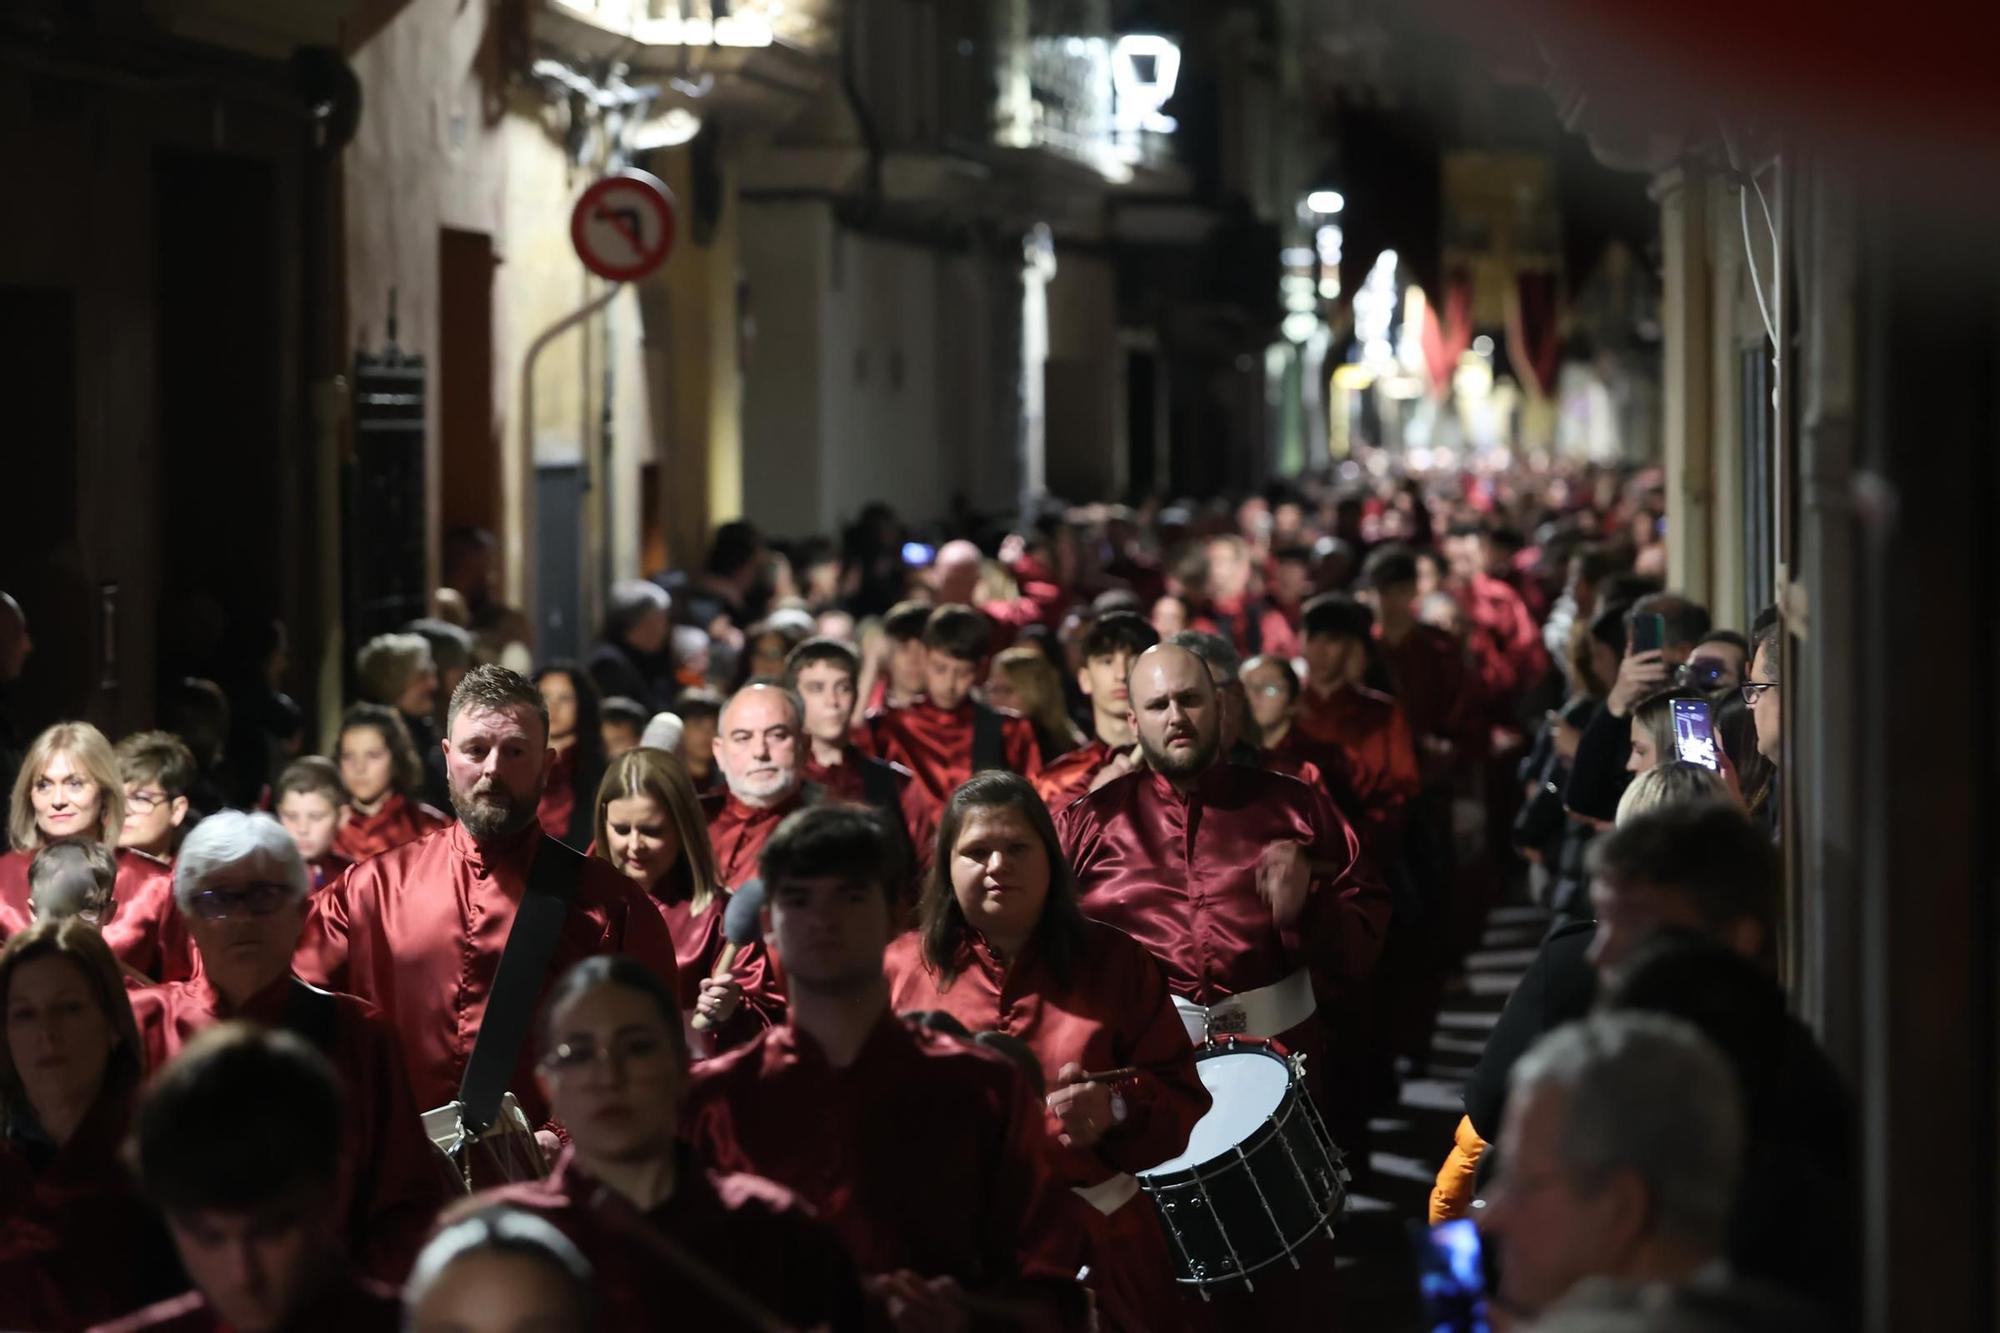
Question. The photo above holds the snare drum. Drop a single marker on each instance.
(1260, 1178)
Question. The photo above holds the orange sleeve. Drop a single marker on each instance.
(1451, 1196)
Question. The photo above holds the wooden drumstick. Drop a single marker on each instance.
(1112, 1075)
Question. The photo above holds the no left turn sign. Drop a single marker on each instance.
(623, 226)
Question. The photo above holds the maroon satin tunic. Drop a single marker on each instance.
(751, 1233)
(324, 870)
(1113, 1012)
(418, 932)
(395, 1183)
(924, 1154)
(937, 746)
(558, 803)
(1371, 730)
(400, 821)
(346, 1304)
(1069, 776)
(698, 944)
(145, 932)
(1506, 645)
(77, 1244)
(1428, 669)
(846, 781)
(738, 832)
(1179, 875)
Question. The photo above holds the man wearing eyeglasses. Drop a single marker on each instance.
(241, 887)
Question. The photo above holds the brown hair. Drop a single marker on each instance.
(313, 775)
(496, 689)
(663, 779)
(85, 747)
(1059, 935)
(158, 756)
(406, 768)
(78, 941)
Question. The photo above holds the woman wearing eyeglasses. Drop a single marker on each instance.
(70, 788)
(70, 1066)
(242, 888)
(736, 1251)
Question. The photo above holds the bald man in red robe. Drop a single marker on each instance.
(231, 865)
(758, 742)
(938, 737)
(419, 931)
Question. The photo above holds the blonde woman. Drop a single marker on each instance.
(648, 824)
(71, 786)
(1024, 680)
(1672, 783)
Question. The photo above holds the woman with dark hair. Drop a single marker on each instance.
(1003, 946)
(735, 1251)
(647, 822)
(384, 778)
(70, 1067)
(577, 737)
(1737, 730)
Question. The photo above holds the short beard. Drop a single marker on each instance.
(761, 801)
(492, 814)
(1174, 766)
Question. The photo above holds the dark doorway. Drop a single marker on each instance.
(39, 560)
(559, 566)
(226, 512)
(1142, 424)
(469, 444)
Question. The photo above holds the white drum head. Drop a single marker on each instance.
(1247, 1088)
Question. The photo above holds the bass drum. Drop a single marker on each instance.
(1260, 1178)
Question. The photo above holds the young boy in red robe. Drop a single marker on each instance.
(947, 736)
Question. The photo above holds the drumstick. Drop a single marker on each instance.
(1112, 1075)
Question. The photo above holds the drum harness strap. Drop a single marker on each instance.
(1263, 1012)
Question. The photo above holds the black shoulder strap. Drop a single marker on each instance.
(524, 965)
(879, 786)
(988, 748)
(311, 1013)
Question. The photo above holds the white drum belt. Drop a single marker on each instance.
(1108, 1196)
(1263, 1012)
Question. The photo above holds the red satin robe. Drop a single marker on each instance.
(1274, 636)
(399, 821)
(1507, 651)
(738, 832)
(1428, 669)
(698, 944)
(924, 1154)
(846, 781)
(558, 803)
(77, 1244)
(751, 1233)
(145, 932)
(418, 932)
(324, 870)
(1371, 730)
(1069, 776)
(937, 746)
(346, 1304)
(1114, 1012)
(1179, 875)
(396, 1188)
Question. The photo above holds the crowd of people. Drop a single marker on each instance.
(842, 942)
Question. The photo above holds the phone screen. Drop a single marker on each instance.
(918, 553)
(1694, 734)
(1451, 1270)
(1649, 633)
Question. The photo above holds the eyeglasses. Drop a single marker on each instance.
(260, 899)
(626, 1051)
(1753, 690)
(145, 802)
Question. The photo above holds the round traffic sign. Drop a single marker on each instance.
(623, 226)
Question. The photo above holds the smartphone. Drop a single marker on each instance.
(1694, 734)
(1649, 633)
(919, 554)
(1452, 1277)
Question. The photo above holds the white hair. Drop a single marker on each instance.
(500, 1230)
(1649, 1094)
(662, 733)
(230, 840)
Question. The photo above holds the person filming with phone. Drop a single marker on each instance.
(1663, 631)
